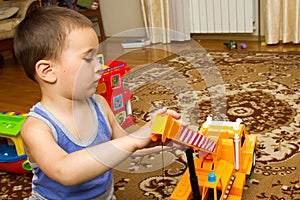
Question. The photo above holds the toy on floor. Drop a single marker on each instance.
(225, 156)
(110, 86)
(12, 154)
(243, 46)
(231, 44)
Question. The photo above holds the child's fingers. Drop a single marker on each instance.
(161, 111)
(166, 111)
(174, 114)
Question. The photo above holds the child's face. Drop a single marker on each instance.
(79, 66)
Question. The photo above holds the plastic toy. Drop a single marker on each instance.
(243, 45)
(225, 156)
(111, 88)
(231, 44)
(165, 128)
(12, 154)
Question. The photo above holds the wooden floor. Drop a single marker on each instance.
(251, 46)
(18, 93)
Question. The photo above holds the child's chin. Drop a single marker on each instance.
(84, 95)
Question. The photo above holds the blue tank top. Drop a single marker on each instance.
(87, 190)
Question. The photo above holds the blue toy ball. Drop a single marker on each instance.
(243, 45)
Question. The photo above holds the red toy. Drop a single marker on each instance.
(110, 86)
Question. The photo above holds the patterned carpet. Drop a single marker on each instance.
(261, 88)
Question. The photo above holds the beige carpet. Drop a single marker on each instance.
(262, 89)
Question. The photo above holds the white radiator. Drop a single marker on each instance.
(222, 16)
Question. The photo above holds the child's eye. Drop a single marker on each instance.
(90, 59)
(92, 56)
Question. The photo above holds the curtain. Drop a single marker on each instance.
(282, 21)
(166, 20)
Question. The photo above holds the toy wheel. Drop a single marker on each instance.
(26, 166)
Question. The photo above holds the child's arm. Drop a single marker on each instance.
(80, 166)
(83, 165)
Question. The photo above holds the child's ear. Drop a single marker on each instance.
(45, 71)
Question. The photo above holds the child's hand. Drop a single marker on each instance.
(165, 111)
(143, 135)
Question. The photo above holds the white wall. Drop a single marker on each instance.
(120, 16)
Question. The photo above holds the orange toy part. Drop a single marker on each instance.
(166, 128)
(226, 155)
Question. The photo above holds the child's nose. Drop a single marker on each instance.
(98, 68)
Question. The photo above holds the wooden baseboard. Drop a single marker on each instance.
(235, 37)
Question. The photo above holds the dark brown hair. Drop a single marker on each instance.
(42, 34)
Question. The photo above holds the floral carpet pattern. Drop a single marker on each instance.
(261, 88)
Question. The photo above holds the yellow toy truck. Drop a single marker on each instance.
(225, 155)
